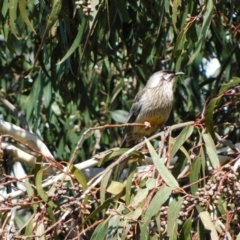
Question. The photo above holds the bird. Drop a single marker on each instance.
(151, 106)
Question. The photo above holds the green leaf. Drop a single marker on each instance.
(119, 116)
(113, 225)
(29, 229)
(119, 152)
(211, 149)
(173, 211)
(135, 214)
(186, 230)
(56, 8)
(209, 115)
(227, 86)
(151, 183)
(115, 187)
(38, 166)
(130, 177)
(41, 192)
(140, 197)
(208, 224)
(40, 229)
(51, 213)
(154, 207)
(195, 174)
(79, 176)
(100, 231)
(76, 41)
(182, 137)
(122, 10)
(30, 193)
(13, 18)
(22, 8)
(98, 210)
(176, 4)
(163, 171)
(116, 91)
(205, 26)
(103, 185)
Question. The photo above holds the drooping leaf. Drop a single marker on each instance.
(163, 171)
(176, 4)
(173, 211)
(204, 30)
(209, 115)
(23, 12)
(13, 18)
(211, 149)
(158, 200)
(77, 40)
(208, 224)
(183, 136)
(100, 231)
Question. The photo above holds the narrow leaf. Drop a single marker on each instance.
(131, 173)
(13, 17)
(208, 224)
(100, 231)
(227, 86)
(76, 41)
(103, 186)
(41, 192)
(186, 230)
(22, 8)
(29, 229)
(176, 4)
(103, 206)
(163, 171)
(205, 26)
(158, 200)
(140, 197)
(195, 174)
(56, 8)
(79, 176)
(209, 115)
(183, 136)
(173, 211)
(211, 149)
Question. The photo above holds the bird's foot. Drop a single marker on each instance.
(147, 125)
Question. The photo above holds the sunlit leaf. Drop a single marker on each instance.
(208, 224)
(22, 8)
(13, 18)
(163, 171)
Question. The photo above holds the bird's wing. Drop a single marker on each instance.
(132, 116)
(135, 109)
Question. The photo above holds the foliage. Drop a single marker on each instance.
(73, 68)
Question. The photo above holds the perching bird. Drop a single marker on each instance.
(152, 106)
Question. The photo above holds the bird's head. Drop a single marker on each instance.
(160, 77)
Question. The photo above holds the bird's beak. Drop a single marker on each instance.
(179, 73)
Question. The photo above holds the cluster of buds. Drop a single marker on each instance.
(73, 203)
(224, 185)
(86, 6)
